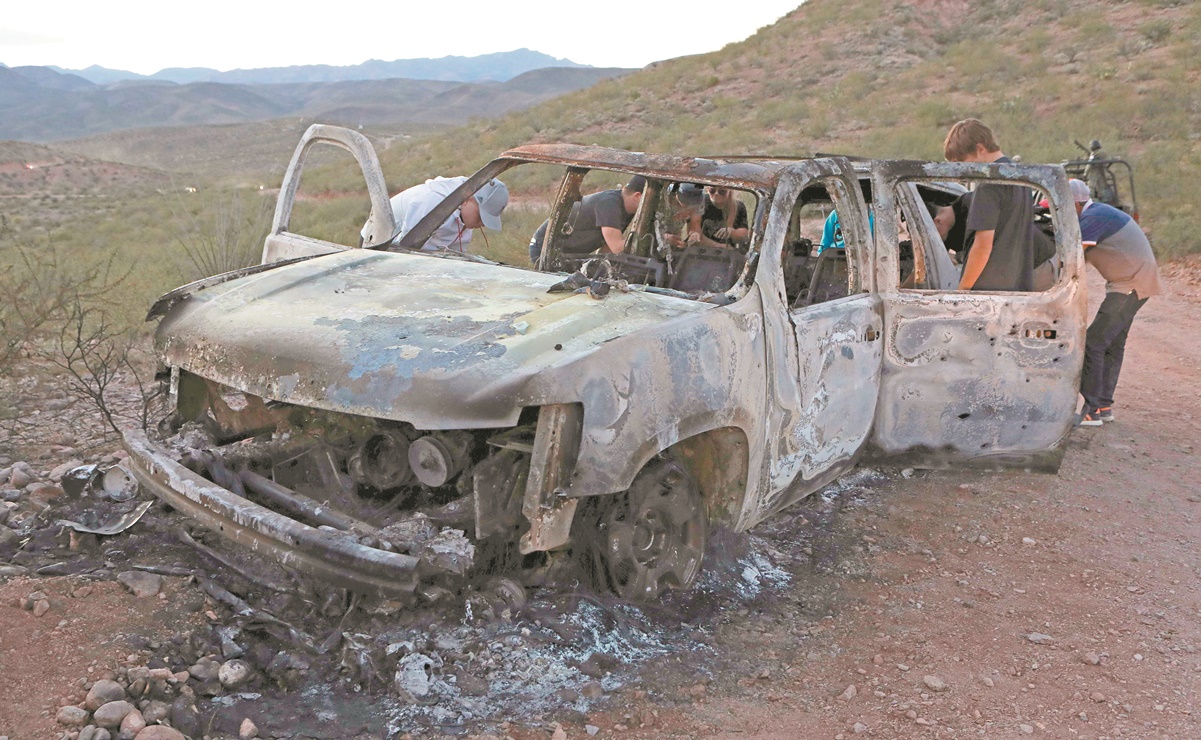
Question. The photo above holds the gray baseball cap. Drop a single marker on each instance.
(691, 195)
(1079, 190)
(492, 197)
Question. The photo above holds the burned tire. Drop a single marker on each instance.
(648, 539)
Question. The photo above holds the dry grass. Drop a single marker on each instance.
(874, 77)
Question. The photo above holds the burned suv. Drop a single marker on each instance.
(391, 419)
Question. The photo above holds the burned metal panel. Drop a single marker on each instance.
(826, 415)
(556, 446)
(331, 555)
(979, 375)
(719, 462)
(438, 343)
(823, 361)
(646, 392)
(758, 175)
(282, 244)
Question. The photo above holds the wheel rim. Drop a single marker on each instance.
(652, 537)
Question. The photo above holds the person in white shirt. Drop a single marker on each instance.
(480, 211)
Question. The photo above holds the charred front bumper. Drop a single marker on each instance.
(338, 557)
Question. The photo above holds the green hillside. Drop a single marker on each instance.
(885, 78)
(871, 77)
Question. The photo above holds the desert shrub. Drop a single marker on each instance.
(41, 286)
(226, 233)
(1156, 31)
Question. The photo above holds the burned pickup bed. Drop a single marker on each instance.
(398, 420)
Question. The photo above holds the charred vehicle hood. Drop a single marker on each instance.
(439, 343)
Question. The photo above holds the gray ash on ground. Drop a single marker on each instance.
(473, 661)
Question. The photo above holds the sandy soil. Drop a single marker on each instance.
(1061, 605)
(1101, 559)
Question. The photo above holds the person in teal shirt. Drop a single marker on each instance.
(832, 233)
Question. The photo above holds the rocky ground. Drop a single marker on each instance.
(895, 604)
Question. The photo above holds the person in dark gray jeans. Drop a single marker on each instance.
(1115, 245)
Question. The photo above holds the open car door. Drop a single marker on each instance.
(823, 344)
(982, 378)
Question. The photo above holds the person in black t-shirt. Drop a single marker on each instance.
(951, 222)
(1001, 255)
(598, 221)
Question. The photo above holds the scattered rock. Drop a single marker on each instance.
(103, 692)
(205, 670)
(859, 728)
(8, 540)
(559, 733)
(591, 730)
(934, 683)
(59, 471)
(20, 476)
(71, 716)
(1098, 697)
(592, 691)
(184, 717)
(133, 723)
(1028, 541)
(156, 711)
(111, 714)
(1026, 729)
(42, 493)
(470, 685)
(141, 583)
(160, 732)
(248, 730)
(850, 692)
(987, 681)
(40, 607)
(234, 674)
(1090, 659)
(1040, 639)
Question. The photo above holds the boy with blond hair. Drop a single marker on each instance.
(1001, 256)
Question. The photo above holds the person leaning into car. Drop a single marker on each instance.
(724, 222)
(1118, 248)
(480, 211)
(597, 221)
(1001, 256)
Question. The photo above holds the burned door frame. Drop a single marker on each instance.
(808, 394)
(282, 244)
(988, 379)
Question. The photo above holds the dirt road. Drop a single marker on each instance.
(1065, 606)
(1000, 605)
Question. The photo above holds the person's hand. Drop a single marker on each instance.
(722, 234)
(693, 238)
(673, 240)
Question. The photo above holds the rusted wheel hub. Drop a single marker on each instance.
(651, 538)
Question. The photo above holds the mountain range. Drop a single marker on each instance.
(43, 104)
(497, 67)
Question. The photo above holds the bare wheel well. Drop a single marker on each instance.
(718, 460)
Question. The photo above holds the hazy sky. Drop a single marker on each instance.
(145, 37)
